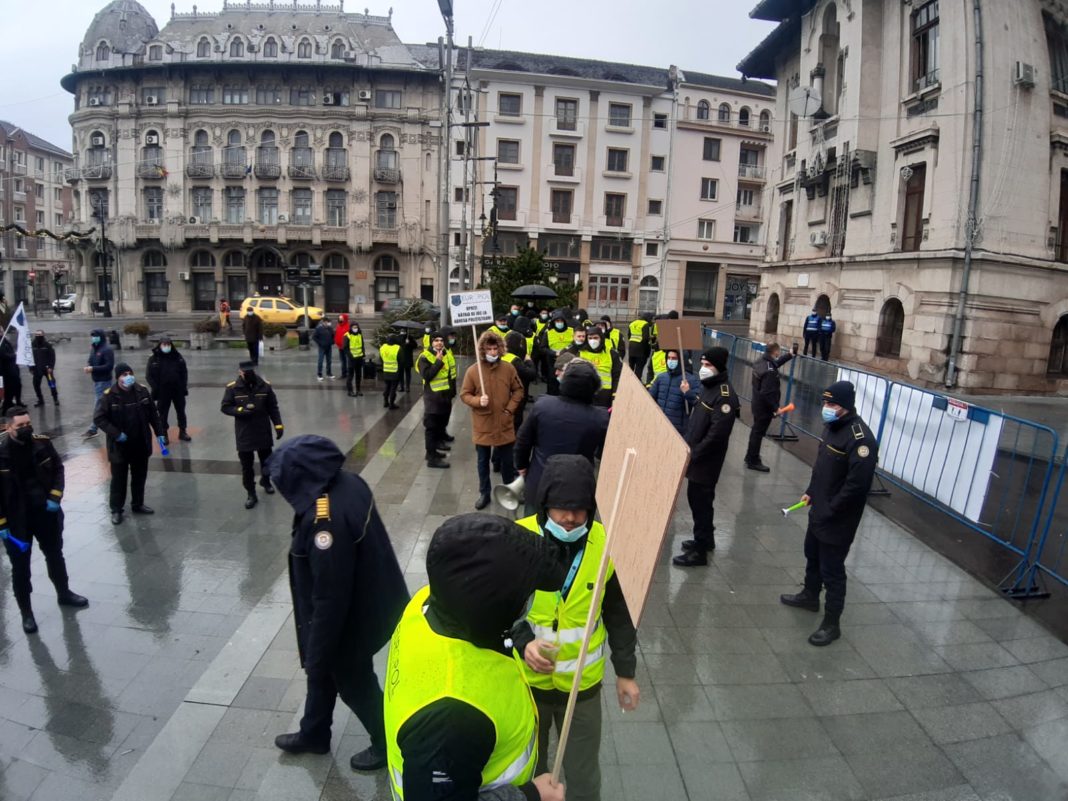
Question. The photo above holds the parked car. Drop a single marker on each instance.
(64, 303)
(418, 307)
(281, 310)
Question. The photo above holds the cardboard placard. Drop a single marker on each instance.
(668, 333)
(471, 308)
(637, 530)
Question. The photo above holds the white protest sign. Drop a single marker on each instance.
(471, 308)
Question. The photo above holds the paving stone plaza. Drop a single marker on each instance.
(174, 682)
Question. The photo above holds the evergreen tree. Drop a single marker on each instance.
(528, 267)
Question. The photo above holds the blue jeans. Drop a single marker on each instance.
(98, 392)
(325, 355)
(507, 465)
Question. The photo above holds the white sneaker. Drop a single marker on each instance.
(319, 377)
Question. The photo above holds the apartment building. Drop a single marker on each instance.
(33, 196)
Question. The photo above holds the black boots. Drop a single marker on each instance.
(695, 558)
(183, 435)
(141, 509)
(759, 466)
(68, 598)
(116, 516)
(29, 624)
(438, 462)
(691, 545)
(251, 501)
(806, 599)
(482, 502)
(827, 633)
(295, 743)
(372, 758)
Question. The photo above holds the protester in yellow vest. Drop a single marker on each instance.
(558, 338)
(433, 367)
(657, 365)
(460, 720)
(502, 325)
(612, 337)
(638, 343)
(550, 638)
(608, 363)
(353, 340)
(390, 353)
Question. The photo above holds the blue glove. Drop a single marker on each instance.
(5, 534)
(121, 437)
(52, 506)
(162, 445)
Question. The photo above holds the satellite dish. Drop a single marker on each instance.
(804, 101)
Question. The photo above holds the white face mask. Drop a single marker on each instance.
(595, 344)
(491, 359)
(706, 372)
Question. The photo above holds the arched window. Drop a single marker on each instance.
(703, 110)
(300, 139)
(648, 294)
(234, 258)
(103, 52)
(771, 318)
(338, 49)
(237, 48)
(203, 48)
(336, 140)
(152, 153)
(234, 154)
(98, 152)
(153, 258)
(1058, 349)
(267, 139)
(822, 306)
(336, 261)
(387, 156)
(155, 53)
(387, 264)
(270, 48)
(304, 49)
(724, 114)
(201, 258)
(765, 121)
(201, 144)
(891, 324)
(301, 260)
(743, 117)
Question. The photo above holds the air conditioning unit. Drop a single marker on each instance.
(328, 100)
(1024, 75)
(194, 221)
(96, 141)
(151, 100)
(152, 139)
(94, 101)
(818, 239)
(765, 128)
(364, 95)
(282, 218)
(183, 276)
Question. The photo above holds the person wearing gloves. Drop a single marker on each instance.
(767, 391)
(339, 343)
(354, 347)
(675, 391)
(348, 593)
(837, 494)
(251, 401)
(129, 418)
(567, 423)
(608, 363)
(493, 394)
(461, 723)
(708, 434)
(433, 367)
(549, 639)
(98, 367)
(43, 369)
(168, 379)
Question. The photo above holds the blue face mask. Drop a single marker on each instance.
(672, 363)
(127, 381)
(165, 348)
(95, 340)
(829, 414)
(562, 534)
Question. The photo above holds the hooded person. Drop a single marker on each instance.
(708, 434)
(675, 391)
(519, 357)
(558, 337)
(348, 592)
(43, 369)
(168, 379)
(608, 363)
(612, 337)
(433, 367)
(493, 392)
(460, 719)
(549, 639)
(339, 342)
(566, 423)
(251, 401)
(99, 367)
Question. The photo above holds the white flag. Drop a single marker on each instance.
(24, 348)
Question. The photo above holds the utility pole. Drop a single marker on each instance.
(446, 144)
(105, 258)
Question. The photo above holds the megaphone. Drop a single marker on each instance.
(510, 495)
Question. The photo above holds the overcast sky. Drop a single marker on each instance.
(701, 35)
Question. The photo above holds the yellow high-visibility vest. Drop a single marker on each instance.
(390, 356)
(636, 329)
(356, 345)
(602, 360)
(560, 340)
(440, 381)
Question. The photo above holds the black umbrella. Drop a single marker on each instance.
(411, 325)
(534, 292)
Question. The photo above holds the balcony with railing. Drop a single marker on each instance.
(18, 197)
(336, 166)
(387, 175)
(268, 166)
(235, 167)
(200, 165)
(97, 172)
(151, 169)
(18, 169)
(302, 164)
(751, 172)
(72, 175)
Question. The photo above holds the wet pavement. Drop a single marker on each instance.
(174, 682)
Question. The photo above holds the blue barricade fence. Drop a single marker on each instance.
(1050, 557)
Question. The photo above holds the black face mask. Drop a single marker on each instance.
(38, 341)
(249, 376)
(24, 435)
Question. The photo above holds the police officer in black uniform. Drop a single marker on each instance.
(348, 593)
(837, 494)
(252, 403)
(708, 434)
(31, 490)
(812, 332)
(767, 391)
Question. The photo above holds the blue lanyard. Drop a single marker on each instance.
(570, 575)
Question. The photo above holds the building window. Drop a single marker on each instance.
(608, 290)
(749, 157)
(1058, 349)
(509, 105)
(153, 95)
(507, 151)
(38, 190)
(385, 209)
(198, 258)
(771, 317)
(700, 292)
(615, 207)
(337, 50)
(610, 249)
(103, 52)
(660, 121)
(561, 205)
(652, 248)
(235, 95)
(155, 53)
(201, 95)
(656, 163)
(267, 200)
(709, 188)
(234, 152)
(924, 23)
(564, 159)
(301, 96)
(202, 203)
(507, 202)
(153, 258)
(40, 219)
(706, 229)
(703, 110)
(235, 204)
(461, 195)
(891, 325)
(619, 115)
(745, 197)
(301, 211)
(203, 48)
(656, 207)
(912, 225)
(268, 95)
(743, 117)
(270, 48)
(566, 114)
(787, 229)
(386, 158)
(98, 202)
(267, 152)
(711, 149)
(765, 121)
(304, 49)
(237, 48)
(338, 97)
(617, 159)
(335, 207)
(153, 202)
(745, 234)
(387, 98)
(724, 114)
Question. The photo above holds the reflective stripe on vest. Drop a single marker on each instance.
(812, 322)
(530, 344)
(636, 328)
(602, 360)
(509, 357)
(451, 361)
(560, 340)
(390, 355)
(568, 616)
(440, 381)
(425, 667)
(356, 346)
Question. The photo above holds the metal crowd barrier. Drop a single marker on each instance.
(1050, 554)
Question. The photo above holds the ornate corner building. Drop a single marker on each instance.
(218, 150)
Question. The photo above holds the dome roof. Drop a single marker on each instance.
(124, 24)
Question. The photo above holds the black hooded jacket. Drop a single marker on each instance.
(101, 357)
(167, 373)
(254, 407)
(44, 356)
(482, 569)
(348, 589)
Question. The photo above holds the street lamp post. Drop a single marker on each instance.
(446, 118)
(101, 213)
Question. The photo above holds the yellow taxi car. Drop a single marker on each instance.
(280, 310)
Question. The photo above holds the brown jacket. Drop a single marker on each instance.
(493, 424)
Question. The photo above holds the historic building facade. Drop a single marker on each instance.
(226, 146)
(33, 197)
(915, 192)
